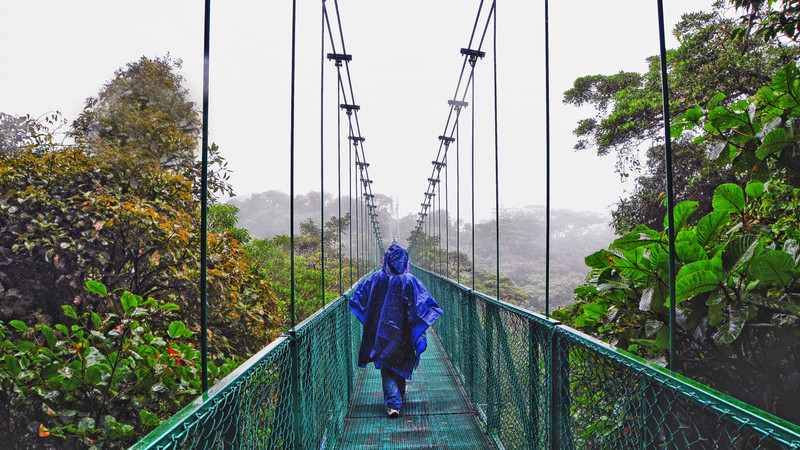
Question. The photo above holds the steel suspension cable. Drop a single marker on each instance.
(547, 160)
(447, 217)
(339, 174)
(439, 242)
(458, 208)
(670, 195)
(496, 159)
(322, 154)
(349, 194)
(291, 167)
(204, 202)
(472, 182)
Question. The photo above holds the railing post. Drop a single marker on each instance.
(471, 319)
(297, 423)
(491, 375)
(533, 371)
(349, 356)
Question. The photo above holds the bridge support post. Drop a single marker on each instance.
(491, 372)
(470, 348)
(297, 423)
(535, 382)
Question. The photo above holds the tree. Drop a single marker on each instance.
(771, 18)
(629, 112)
(143, 117)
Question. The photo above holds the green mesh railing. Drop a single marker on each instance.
(292, 394)
(538, 384)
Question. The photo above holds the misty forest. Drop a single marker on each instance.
(100, 240)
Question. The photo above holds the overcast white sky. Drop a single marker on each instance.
(406, 60)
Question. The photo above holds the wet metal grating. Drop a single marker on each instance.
(435, 415)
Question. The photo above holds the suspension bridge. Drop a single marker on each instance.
(494, 375)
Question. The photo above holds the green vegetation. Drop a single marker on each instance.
(738, 278)
(97, 380)
(119, 206)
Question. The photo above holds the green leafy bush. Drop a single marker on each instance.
(96, 380)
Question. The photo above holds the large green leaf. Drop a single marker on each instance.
(754, 189)
(775, 141)
(654, 297)
(732, 328)
(687, 248)
(698, 277)
(631, 241)
(19, 325)
(129, 302)
(785, 82)
(176, 329)
(598, 260)
(738, 251)
(96, 287)
(709, 226)
(774, 267)
(728, 197)
(681, 213)
(634, 265)
(12, 365)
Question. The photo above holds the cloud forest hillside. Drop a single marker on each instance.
(522, 239)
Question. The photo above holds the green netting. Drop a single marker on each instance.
(500, 354)
(292, 394)
(537, 384)
(532, 382)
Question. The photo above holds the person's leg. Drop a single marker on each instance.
(401, 386)
(391, 389)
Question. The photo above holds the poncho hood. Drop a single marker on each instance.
(395, 260)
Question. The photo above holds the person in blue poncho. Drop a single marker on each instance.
(395, 309)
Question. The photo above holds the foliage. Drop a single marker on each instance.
(96, 380)
(143, 118)
(223, 218)
(737, 291)
(271, 258)
(771, 18)
(629, 112)
(486, 282)
(738, 278)
(26, 134)
(68, 217)
(755, 136)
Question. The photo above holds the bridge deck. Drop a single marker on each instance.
(436, 414)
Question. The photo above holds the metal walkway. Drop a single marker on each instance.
(436, 414)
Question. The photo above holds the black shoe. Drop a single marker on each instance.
(393, 413)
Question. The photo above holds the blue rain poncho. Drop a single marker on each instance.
(395, 309)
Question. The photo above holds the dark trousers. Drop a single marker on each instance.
(393, 387)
